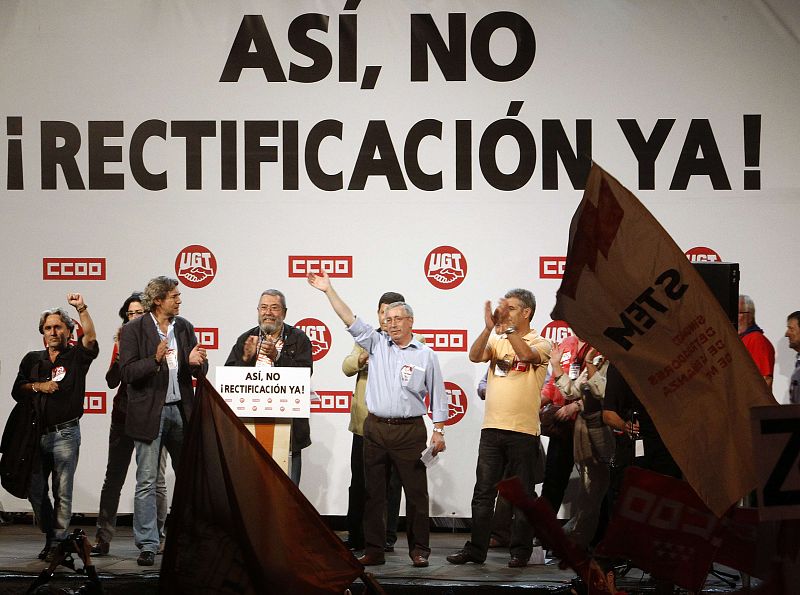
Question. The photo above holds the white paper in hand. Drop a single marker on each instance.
(428, 457)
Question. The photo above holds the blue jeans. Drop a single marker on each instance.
(148, 455)
(59, 458)
(120, 449)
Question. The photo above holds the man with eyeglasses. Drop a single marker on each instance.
(402, 372)
(275, 343)
(758, 346)
(53, 383)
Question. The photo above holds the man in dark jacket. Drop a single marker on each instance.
(54, 380)
(158, 355)
(275, 343)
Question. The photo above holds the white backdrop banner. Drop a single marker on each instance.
(437, 149)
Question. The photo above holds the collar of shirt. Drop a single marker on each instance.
(413, 343)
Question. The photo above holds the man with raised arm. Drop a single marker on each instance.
(509, 441)
(402, 372)
(53, 382)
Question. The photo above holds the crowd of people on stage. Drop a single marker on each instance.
(568, 392)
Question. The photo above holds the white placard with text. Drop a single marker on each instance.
(265, 392)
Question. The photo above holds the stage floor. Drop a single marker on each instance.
(119, 573)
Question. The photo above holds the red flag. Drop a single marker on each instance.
(663, 527)
(238, 524)
(630, 291)
(549, 530)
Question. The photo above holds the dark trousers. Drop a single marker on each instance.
(120, 450)
(558, 467)
(357, 495)
(398, 446)
(515, 454)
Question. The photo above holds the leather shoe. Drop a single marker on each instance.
(370, 560)
(515, 562)
(45, 550)
(146, 558)
(389, 547)
(101, 548)
(419, 561)
(462, 557)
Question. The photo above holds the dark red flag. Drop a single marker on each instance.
(545, 523)
(663, 527)
(238, 524)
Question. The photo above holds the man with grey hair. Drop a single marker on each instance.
(759, 347)
(53, 382)
(402, 372)
(274, 343)
(158, 356)
(509, 442)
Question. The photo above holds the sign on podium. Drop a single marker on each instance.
(266, 399)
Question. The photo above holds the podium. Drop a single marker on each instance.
(266, 400)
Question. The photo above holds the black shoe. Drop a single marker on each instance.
(101, 548)
(353, 546)
(146, 558)
(45, 550)
(462, 557)
(50, 554)
(515, 562)
(388, 547)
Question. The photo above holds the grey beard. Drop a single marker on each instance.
(268, 328)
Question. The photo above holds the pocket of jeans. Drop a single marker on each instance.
(71, 433)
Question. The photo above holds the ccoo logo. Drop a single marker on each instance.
(207, 337)
(319, 334)
(332, 401)
(456, 403)
(94, 402)
(552, 267)
(556, 331)
(702, 254)
(195, 266)
(445, 267)
(444, 339)
(335, 266)
(85, 269)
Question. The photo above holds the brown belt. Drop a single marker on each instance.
(395, 421)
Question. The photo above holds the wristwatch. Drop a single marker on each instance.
(509, 330)
(439, 431)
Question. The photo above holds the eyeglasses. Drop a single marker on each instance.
(271, 308)
(134, 313)
(397, 319)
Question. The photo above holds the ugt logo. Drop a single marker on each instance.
(319, 334)
(702, 254)
(445, 267)
(456, 403)
(556, 331)
(195, 266)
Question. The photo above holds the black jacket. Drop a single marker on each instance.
(147, 381)
(296, 353)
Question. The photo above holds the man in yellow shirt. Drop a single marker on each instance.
(518, 358)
